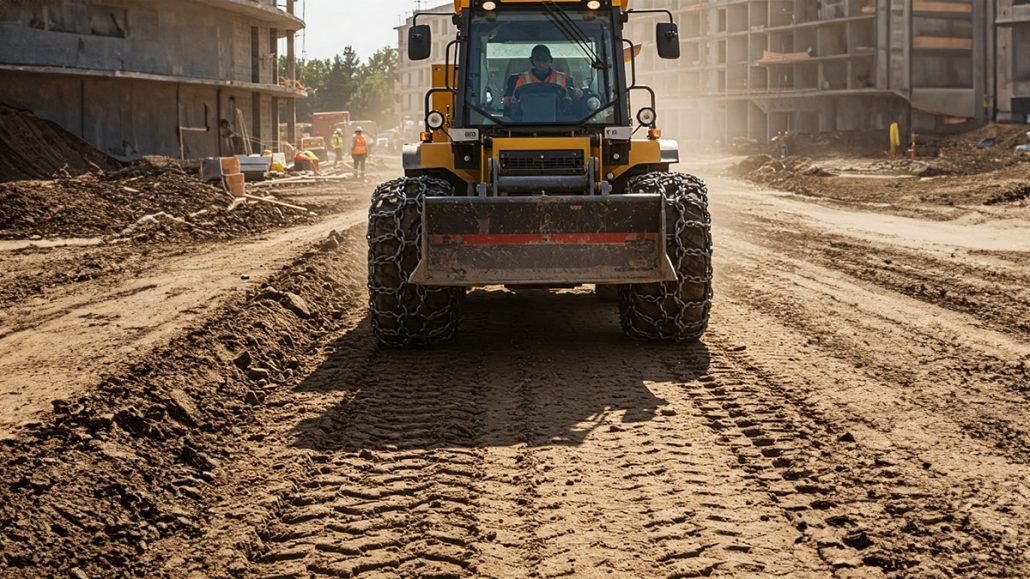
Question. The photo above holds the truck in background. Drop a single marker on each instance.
(323, 124)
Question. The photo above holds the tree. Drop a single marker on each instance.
(340, 81)
(344, 83)
(373, 97)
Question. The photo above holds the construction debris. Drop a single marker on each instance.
(141, 203)
(35, 148)
(275, 202)
(962, 173)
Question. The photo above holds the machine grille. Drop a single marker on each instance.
(553, 162)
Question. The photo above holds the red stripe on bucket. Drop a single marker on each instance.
(541, 238)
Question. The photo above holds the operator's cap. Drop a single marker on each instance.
(357, 129)
(541, 52)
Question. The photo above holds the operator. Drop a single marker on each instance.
(359, 151)
(540, 73)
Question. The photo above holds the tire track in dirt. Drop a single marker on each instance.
(395, 476)
(915, 494)
(885, 500)
(542, 443)
(629, 483)
(985, 290)
(938, 358)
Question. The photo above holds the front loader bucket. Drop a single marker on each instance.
(541, 240)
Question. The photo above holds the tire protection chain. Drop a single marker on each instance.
(392, 201)
(679, 191)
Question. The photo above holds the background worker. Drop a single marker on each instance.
(306, 161)
(359, 151)
(337, 143)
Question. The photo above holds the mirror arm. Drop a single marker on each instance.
(632, 63)
(652, 11)
(414, 19)
(428, 104)
(447, 64)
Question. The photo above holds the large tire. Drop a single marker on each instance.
(675, 310)
(405, 314)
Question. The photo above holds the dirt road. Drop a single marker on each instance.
(55, 344)
(858, 408)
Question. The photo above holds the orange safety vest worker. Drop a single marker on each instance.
(559, 78)
(360, 146)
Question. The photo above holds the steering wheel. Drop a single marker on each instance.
(538, 91)
(581, 106)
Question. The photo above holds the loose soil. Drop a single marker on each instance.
(34, 148)
(72, 315)
(162, 203)
(960, 179)
(858, 409)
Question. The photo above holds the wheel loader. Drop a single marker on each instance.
(541, 165)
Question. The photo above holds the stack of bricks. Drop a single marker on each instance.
(226, 170)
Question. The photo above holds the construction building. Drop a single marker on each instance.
(753, 68)
(1012, 37)
(190, 78)
(413, 78)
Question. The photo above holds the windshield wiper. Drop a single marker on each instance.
(488, 115)
(568, 27)
(598, 111)
(502, 123)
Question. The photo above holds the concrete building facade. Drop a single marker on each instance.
(1012, 38)
(139, 77)
(413, 78)
(753, 68)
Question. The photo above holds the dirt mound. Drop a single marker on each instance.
(961, 175)
(789, 174)
(750, 165)
(34, 148)
(141, 201)
(959, 154)
(102, 480)
(1016, 194)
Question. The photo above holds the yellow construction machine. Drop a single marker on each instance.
(535, 170)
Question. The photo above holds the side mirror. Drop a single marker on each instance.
(420, 42)
(667, 37)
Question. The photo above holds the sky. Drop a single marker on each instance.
(367, 25)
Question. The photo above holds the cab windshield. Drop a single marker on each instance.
(532, 68)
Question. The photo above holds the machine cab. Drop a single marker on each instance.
(525, 65)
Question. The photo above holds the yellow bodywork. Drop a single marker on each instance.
(438, 153)
(460, 5)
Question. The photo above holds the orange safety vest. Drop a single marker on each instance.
(360, 147)
(559, 78)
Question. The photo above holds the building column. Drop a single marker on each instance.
(979, 61)
(291, 75)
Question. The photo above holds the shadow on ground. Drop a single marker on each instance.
(531, 368)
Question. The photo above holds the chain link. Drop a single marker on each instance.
(675, 310)
(403, 313)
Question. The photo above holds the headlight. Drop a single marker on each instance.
(594, 4)
(593, 103)
(435, 120)
(646, 116)
(489, 5)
